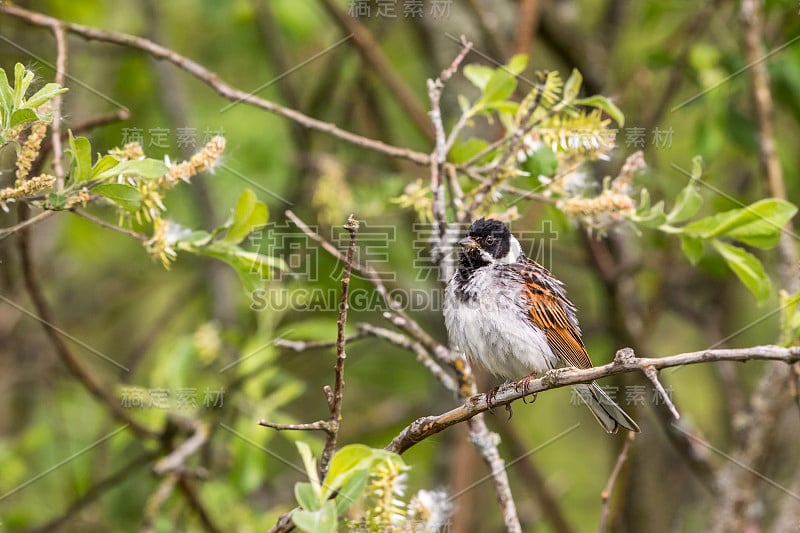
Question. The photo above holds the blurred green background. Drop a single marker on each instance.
(177, 329)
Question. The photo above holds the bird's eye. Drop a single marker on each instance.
(489, 240)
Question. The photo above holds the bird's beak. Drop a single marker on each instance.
(468, 243)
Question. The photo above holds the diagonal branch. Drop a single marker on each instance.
(624, 362)
(212, 80)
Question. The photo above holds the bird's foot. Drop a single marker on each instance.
(492, 394)
(523, 384)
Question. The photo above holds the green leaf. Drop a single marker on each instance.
(653, 217)
(503, 106)
(81, 152)
(124, 195)
(517, 63)
(463, 104)
(542, 162)
(48, 92)
(249, 216)
(310, 464)
(573, 86)
(499, 87)
(464, 151)
(604, 104)
(146, 168)
(103, 163)
(686, 205)
(748, 269)
(351, 491)
(22, 80)
(758, 224)
(478, 75)
(692, 248)
(322, 520)
(58, 201)
(306, 497)
(345, 463)
(23, 116)
(6, 93)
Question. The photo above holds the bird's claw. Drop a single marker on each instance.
(523, 384)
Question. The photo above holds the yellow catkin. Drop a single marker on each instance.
(27, 188)
(199, 162)
(607, 202)
(30, 151)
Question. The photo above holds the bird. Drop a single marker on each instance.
(510, 315)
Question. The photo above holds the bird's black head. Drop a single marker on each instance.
(487, 241)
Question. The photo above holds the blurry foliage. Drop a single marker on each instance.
(165, 326)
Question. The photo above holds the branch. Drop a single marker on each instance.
(624, 362)
(335, 400)
(302, 346)
(212, 80)
(108, 225)
(441, 148)
(605, 496)
(61, 67)
(5, 232)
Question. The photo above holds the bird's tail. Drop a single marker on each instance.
(609, 414)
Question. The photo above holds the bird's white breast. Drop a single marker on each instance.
(492, 328)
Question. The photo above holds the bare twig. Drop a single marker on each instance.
(440, 150)
(652, 374)
(423, 428)
(396, 316)
(156, 501)
(319, 425)
(176, 460)
(486, 443)
(302, 346)
(335, 400)
(190, 493)
(605, 496)
(212, 80)
(61, 68)
(5, 232)
(108, 225)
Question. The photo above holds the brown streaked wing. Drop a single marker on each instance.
(549, 310)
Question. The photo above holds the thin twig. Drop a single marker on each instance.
(302, 346)
(187, 488)
(319, 425)
(5, 232)
(652, 374)
(156, 501)
(335, 400)
(212, 80)
(424, 427)
(108, 225)
(440, 150)
(396, 316)
(605, 496)
(61, 68)
(176, 460)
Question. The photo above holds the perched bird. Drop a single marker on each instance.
(510, 315)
